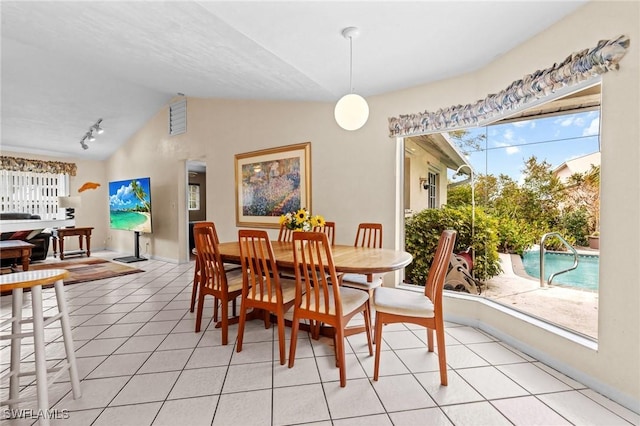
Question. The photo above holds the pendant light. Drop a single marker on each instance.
(352, 110)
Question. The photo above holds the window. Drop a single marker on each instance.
(29, 192)
(432, 193)
(194, 196)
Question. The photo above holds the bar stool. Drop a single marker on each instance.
(35, 280)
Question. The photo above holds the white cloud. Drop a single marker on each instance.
(521, 123)
(508, 134)
(566, 122)
(510, 149)
(593, 129)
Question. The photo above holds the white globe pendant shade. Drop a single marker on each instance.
(352, 112)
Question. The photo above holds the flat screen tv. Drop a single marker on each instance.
(130, 205)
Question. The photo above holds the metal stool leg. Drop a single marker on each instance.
(68, 339)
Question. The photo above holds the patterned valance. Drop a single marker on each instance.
(37, 166)
(577, 67)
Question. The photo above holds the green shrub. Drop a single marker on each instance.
(423, 230)
(515, 235)
(576, 225)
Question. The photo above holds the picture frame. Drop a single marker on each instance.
(272, 182)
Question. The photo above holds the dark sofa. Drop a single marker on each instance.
(38, 237)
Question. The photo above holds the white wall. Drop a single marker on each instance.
(354, 177)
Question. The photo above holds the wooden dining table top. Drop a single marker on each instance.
(347, 259)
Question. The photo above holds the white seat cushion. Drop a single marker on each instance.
(351, 300)
(359, 281)
(288, 287)
(402, 302)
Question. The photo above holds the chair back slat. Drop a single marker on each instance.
(369, 235)
(439, 268)
(209, 260)
(285, 234)
(260, 272)
(315, 271)
(329, 229)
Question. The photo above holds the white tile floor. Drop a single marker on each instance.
(142, 364)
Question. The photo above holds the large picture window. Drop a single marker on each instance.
(35, 193)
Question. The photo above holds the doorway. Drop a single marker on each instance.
(196, 199)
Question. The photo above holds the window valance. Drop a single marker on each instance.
(576, 68)
(37, 166)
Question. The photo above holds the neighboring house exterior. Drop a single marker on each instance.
(577, 165)
(426, 161)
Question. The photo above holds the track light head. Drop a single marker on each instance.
(90, 137)
(99, 130)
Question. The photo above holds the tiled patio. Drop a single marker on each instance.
(142, 364)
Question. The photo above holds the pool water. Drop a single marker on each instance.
(585, 276)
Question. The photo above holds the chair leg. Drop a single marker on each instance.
(295, 324)
(442, 357)
(342, 364)
(215, 309)
(225, 321)
(199, 311)
(367, 325)
(241, 324)
(430, 339)
(281, 344)
(196, 284)
(378, 338)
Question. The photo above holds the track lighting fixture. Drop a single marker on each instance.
(96, 129)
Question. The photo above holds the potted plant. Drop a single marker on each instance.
(594, 240)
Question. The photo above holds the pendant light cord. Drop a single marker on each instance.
(351, 64)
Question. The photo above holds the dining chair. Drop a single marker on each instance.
(394, 305)
(214, 279)
(263, 288)
(320, 301)
(197, 275)
(285, 234)
(368, 235)
(329, 228)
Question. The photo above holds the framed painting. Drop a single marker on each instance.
(272, 182)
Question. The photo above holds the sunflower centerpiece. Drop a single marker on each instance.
(301, 220)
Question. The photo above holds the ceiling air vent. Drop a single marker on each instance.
(178, 117)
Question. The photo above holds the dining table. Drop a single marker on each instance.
(346, 258)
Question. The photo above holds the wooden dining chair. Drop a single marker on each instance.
(262, 287)
(368, 235)
(329, 228)
(214, 279)
(320, 301)
(197, 276)
(196, 273)
(285, 234)
(394, 305)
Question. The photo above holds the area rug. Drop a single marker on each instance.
(87, 269)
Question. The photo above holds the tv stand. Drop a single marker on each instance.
(136, 250)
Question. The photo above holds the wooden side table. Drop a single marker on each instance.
(16, 249)
(79, 231)
(34, 280)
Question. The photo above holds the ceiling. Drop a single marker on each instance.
(67, 64)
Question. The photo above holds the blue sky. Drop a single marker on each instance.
(554, 139)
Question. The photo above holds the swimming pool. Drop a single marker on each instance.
(585, 276)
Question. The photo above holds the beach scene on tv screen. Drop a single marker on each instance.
(130, 205)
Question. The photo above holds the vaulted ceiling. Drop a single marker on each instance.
(67, 64)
